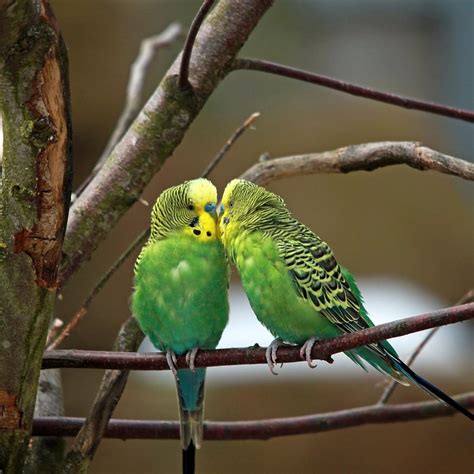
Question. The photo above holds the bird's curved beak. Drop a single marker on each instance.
(211, 209)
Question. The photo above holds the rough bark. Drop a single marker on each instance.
(34, 202)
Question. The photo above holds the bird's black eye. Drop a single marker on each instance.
(231, 204)
(191, 207)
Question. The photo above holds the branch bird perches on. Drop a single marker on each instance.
(256, 355)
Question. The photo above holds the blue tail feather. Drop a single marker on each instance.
(190, 386)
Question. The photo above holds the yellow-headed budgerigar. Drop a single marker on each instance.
(180, 299)
(295, 286)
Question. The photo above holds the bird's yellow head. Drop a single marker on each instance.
(189, 207)
(246, 205)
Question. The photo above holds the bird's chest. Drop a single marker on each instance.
(271, 292)
(262, 271)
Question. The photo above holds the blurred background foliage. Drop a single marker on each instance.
(392, 225)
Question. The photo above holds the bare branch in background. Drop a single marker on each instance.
(353, 89)
(183, 81)
(228, 144)
(82, 311)
(256, 355)
(138, 72)
(388, 392)
(260, 429)
(134, 97)
(110, 391)
(46, 455)
(54, 328)
(364, 157)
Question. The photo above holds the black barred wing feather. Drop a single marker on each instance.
(319, 280)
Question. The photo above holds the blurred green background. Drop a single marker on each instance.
(407, 235)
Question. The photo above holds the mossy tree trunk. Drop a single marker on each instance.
(34, 202)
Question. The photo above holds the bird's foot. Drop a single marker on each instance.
(271, 354)
(305, 351)
(172, 361)
(191, 357)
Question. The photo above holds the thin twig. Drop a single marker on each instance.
(256, 355)
(138, 71)
(82, 311)
(353, 89)
(364, 157)
(183, 81)
(228, 144)
(260, 429)
(55, 326)
(391, 387)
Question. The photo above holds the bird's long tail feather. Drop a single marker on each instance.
(189, 459)
(190, 388)
(428, 387)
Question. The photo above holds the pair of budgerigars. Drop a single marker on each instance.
(291, 278)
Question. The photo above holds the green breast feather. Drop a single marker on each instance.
(180, 298)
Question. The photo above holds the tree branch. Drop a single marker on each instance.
(46, 454)
(138, 72)
(158, 130)
(110, 391)
(260, 429)
(391, 387)
(364, 157)
(256, 355)
(34, 200)
(228, 144)
(82, 311)
(353, 89)
(183, 81)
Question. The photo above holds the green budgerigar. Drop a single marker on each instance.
(295, 286)
(180, 290)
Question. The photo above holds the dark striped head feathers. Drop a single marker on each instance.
(183, 207)
(249, 205)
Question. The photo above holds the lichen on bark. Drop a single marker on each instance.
(34, 201)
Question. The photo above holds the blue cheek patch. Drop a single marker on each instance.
(209, 207)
